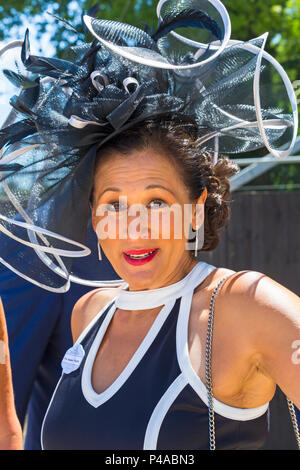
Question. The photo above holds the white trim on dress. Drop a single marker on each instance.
(231, 412)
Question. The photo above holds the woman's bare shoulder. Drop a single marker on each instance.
(242, 291)
(212, 280)
(240, 282)
(253, 285)
(88, 306)
(252, 298)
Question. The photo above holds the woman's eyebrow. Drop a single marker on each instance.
(150, 186)
(109, 189)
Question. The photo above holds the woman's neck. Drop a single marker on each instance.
(177, 273)
(138, 301)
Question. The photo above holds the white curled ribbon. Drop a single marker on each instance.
(260, 121)
(59, 270)
(34, 230)
(80, 123)
(216, 149)
(263, 123)
(227, 28)
(218, 47)
(49, 249)
(16, 153)
(96, 84)
(127, 81)
(19, 208)
(129, 54)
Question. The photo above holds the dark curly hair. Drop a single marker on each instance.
(179, 141)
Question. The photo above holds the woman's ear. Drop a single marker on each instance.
(203, 196)
(198, 210)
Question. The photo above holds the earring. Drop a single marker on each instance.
(196, 241)
(99, 252)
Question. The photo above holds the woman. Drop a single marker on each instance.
(150, 117)
(10, 429)
(140, 384)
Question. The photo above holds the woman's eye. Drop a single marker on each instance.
(115, 206)
(158, 204)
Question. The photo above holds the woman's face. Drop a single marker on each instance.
(131, 212)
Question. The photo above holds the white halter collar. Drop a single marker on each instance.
(144, 299)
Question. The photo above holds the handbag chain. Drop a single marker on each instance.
(208, 377)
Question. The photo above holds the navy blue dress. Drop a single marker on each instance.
(157, 402)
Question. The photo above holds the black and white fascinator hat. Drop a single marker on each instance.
(63, 110)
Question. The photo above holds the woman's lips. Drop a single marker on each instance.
(139, 252)
(139, 261)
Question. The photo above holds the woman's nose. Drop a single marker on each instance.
(136, 225)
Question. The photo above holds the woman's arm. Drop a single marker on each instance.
(270, 315)
(10, 428)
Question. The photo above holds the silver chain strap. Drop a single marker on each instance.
(209, 386)
(211, 416)
(294, 420)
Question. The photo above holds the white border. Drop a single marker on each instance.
(231, 412)
(97, 399)
(136, 300)
(160, 411)
(79, 339)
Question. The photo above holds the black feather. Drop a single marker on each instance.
(25, 52)
(10, 167)
(30, 95)
(95, 46)
(67, 24)
(17, 103)
(19, 80)
(148, 29)
(51, 67)
(17, 131)
(187, 17)
(93, 11)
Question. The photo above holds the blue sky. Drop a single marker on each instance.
(43, 46)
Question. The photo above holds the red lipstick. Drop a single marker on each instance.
(137, 261)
